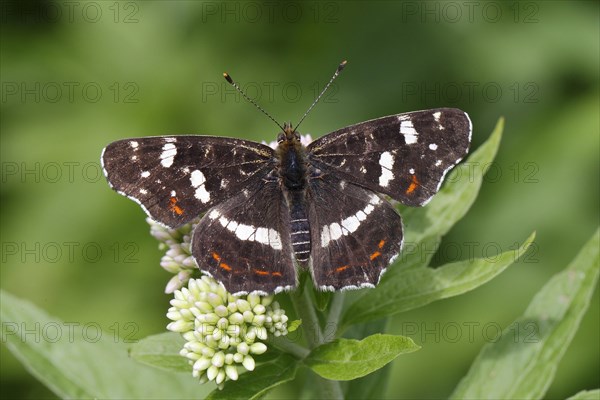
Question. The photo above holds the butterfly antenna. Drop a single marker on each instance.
(335, 75)
(235, 85)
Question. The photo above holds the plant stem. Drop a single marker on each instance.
(325, 388)
(288, 346)
(337, 303)
(310, 321)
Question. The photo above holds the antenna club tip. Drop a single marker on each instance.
(342, 65)
(227, 77)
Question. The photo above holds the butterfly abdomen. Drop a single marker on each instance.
(300, 227)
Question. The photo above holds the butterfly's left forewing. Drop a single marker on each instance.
(179, 177)
(405, 156)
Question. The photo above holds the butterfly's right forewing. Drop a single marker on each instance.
(179, 177)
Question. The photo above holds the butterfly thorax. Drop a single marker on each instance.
(291, 160)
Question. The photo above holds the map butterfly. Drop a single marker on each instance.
(321, 207)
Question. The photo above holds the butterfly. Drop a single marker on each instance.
(320, 207)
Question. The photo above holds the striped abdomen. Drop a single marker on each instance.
(300, 228)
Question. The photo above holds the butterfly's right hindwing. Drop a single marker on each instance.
(244, 242)
(179, 177)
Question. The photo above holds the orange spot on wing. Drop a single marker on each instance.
(342, 268)
(276, 274)
(413, 185)
(216, 256)
(225, 266)
(259, 272)
(381, 243)
(174, 207)
(374, 255)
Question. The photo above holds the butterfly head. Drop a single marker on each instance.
(288, 135)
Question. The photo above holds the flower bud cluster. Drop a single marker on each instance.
(222, 332)
(178, 258)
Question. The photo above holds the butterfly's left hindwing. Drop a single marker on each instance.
(177, 178)
(355, 234)
(405, 156)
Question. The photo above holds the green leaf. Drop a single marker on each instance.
(161, 351)
(586, 395)
(523, 361)
(456, 196)
(76, 361)
(295, 324)
(346, 359)
(417, 287)
(255, 384)
(372, 386)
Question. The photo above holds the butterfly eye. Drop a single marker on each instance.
(280, 137)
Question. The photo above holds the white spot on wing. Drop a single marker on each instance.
(408, 130)
(143, 191)
(335, 231)
(349, 225)
(168, 155)
(436, 116)
(438, 163)
(386, 160)
(261, 235)
(411, 171)
(244, 232)
(325, 236)
(214, 214)
(134, 144)
(198, 180)
(145, 174)
(433, 146)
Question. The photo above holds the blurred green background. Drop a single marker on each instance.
(78, 75)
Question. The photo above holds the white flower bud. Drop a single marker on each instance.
(243, 305)
(211, 372)
(243, 348)
(218, 359)
(258, 348)
(249, 363)
(238, 358)
(259, 309)
(220, 377)
(235, 318)
(231, 372)
(201, 364)
(215, 300)
(258, 320)
(253, 299)
(267, 300)
(221, 311)
(248, 316)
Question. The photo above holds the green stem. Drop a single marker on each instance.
(337, 303)
(325, 388)
(310, 321)
(283, 343)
